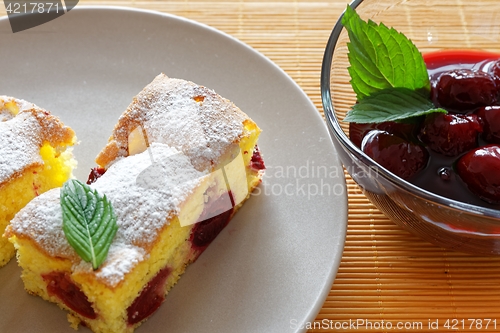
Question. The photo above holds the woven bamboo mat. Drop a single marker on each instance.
(386, 274)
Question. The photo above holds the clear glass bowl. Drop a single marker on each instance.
(431, 25)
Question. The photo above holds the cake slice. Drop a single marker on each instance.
(34, 157)
(178, 165)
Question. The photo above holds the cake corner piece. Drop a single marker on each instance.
(35, 156)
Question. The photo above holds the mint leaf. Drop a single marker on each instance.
(381, 58)
(391, 105)
(89, 221)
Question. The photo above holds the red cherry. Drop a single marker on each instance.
(401, 157)
(494, 70)
(480, 171)
(465, 89)
(450, 134)
(407, 130)
(490, 117)
(358, 131)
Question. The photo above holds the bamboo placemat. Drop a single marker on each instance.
(387, 276)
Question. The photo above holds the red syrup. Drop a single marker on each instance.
(467, 84)
(60, 285)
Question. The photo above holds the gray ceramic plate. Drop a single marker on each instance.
(272, 268)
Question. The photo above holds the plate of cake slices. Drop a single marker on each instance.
(207, 196)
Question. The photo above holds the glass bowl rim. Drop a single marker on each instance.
(335, 129)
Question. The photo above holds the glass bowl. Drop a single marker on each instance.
(431, 25)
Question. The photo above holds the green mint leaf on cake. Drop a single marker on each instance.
(381, 57)
(89, 221)
(391, 105)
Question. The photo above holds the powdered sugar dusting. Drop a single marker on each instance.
(24, 127)
(19, 144)
(41, 220)
(184, 115)
(5, 115)
(202, 127)
(6, 103)
(141, 209)
(145, 193)
(121, 259)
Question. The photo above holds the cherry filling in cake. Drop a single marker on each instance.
(456, 155)
(149, 299)
(60, 285)
(94, 174)
(257, 163)
(204, 232)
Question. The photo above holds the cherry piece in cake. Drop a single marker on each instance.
(479, 169)
(450, 134)
(214, 218)
(94, 174)
(256, 162)
(149, 299)
(400, 156)
(60, 285)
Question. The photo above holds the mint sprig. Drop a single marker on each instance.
(393, 104)
(382, 60)
(89, 221)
